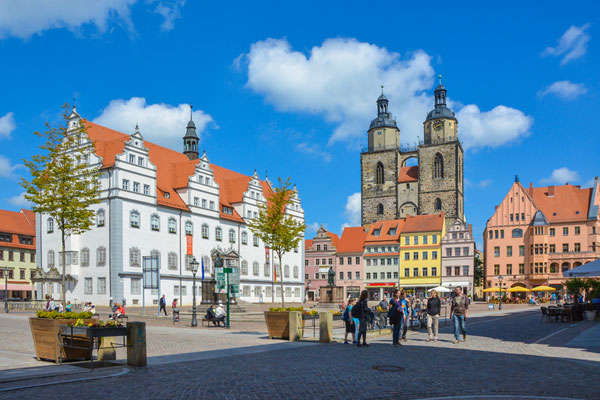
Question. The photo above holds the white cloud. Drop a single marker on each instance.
(7, 125)
(483, 184)
(25, 18)
(19, 201)
(314, 150)
(340, 80)
(312, 228)
(492, 128)
(589, 184)
(352, 210)
(571, 45)
(561, 176)
(159, 123)
(7, 169)
(566, 90)
(170, 10)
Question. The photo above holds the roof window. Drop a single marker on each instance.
(392, 231)
(167, 195)
(376, 232)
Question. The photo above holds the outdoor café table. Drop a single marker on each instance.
(554, 313)
(68, 333)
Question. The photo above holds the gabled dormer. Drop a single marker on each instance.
(203, 173)
(73, 120)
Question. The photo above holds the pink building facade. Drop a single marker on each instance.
(319, 256)
(536, 234)
(349, 269)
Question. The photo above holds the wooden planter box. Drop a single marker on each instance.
(45, 339)
(278, 324)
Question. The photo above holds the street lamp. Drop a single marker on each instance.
(500, 299)
(6, 290)
(194, 264)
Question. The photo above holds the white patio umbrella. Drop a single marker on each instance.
(585, 270)
(440, 289)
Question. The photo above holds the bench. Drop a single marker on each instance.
(217, 320)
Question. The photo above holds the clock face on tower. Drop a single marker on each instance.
(437, 125)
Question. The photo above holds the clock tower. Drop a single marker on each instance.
(441, 162)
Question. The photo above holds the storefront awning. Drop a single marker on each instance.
(381, 284)
(17, 286)
(455, 284)
(419, 285)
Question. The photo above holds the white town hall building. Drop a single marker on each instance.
(157, 201)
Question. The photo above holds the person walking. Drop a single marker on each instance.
(385, 305)
(361, 312)
(405, 313)
(163, 305)
(459, 312)
(349, 321)
(396, 316)
(433, 316)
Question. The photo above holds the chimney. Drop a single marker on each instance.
(530, 185)
(471, 228)
(550, 191)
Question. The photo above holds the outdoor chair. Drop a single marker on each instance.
(545, 314)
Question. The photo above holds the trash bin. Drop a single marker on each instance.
(175, 315)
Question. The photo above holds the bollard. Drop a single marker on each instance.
(325, 327)
(136, 344)
(295, 321)
(108, 353)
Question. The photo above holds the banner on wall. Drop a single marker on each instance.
(267, 254)
(189, 245)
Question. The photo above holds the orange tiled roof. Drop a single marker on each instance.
(424, 223)
(352, 240)
(18, 223)
(408, 174)
(384, 230)
(173, 170)
(308, 243)
(566, 202)
(335, 239)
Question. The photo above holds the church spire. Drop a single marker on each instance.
(440, 109)
(190, 140)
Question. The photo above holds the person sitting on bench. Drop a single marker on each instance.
(119, 312)
(210, 315)
(220, 314)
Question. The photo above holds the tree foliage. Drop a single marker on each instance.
(279, 231)
(478, 271)
(63, 185)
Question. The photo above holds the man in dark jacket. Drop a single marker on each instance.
(459, 314)
(163, 305)
(433, 316)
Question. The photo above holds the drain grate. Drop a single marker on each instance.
(388, 368)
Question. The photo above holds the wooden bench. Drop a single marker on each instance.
(217, 320)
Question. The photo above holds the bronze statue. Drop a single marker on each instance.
(218, 262)
(331, 277)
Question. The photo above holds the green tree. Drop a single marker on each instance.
(279, 231)
(63, 185)
(478, 271)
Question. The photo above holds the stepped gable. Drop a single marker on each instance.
(408, 174)
(562, 203)
(18, 223)
(352, 240)
(423, 223)
(173, 170)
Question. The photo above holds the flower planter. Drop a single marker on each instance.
(278, 324)
(46, 340)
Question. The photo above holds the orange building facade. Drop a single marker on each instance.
(537, 233)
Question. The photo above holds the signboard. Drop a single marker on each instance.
(234, 279)
(189, 241)
(151, 267)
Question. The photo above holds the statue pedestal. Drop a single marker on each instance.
(331, 294)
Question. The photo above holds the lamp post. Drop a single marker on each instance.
(194, 264)
(6, 290)
(500, 298)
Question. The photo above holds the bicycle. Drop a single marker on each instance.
(418, 321)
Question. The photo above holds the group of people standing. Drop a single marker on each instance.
(357, 314)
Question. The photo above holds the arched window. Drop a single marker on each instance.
(231, 236)
(172, 260)
(244, 270)
(517, 233)
(438, 166)
(189, 228)
(255, 267)
(204, 231)
(438, 204)
(380, 209)
(267, 270)
(100, 218)
(50, 223)
(134, 219)
(296, 272)
(101, 256)
(218, 233)
(564, 267)
(244, 237)
(172, 225)
(155, 222)
(379, 173)
(50, 258)
(85, 257)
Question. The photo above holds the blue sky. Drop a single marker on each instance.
(291, 88)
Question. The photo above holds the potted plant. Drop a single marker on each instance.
(278, 321)
(45, 328)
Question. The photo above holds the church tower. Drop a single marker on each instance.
(441, 163)
(190, 140)
(379, 167)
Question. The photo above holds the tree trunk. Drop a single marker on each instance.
(280, 256)
(64, 266)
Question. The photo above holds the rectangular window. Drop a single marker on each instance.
(368, 275)
(552, 232)
(11, 256)
(341, 260)
(565, 231)
(395, 261)
(425, 271)
(212, 205)
(196, 202)
(577, 247)
(136, 187)
(496, 269)
(357, 260)
(368, 262)
(425, 255)
(521, 269)
(22, 257)
(125, 184)
(434, 255)
(465, 270)
(132, 158)
(496, 251)
(521, 250)
(375, 261)
(415, 271)
(357, 274)
(147, 190)
(389, 275)
(415, 255)
(424, 239)
(268, 291)
(491, 234)
(204, 203)
(511, 217)
(87, 286)
(101, 285)
(577, 230)
(434, 239)
(465, 251)
(374, 275)
(522, 216)
(509, 251)
(32, 257)
(406, 256)
(565, 247)
(349, 260)
(341, 275)
(317, 261)
(22, 274)
(135, 285)
(457, 251)
(406, 240)
(406, 272)
(457, 271)
(449, 252)
(501, 233)
(448, 271)
(415, 240)
(330, 261)
(141, 161)
(496, 234)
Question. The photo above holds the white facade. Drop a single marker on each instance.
(458, 257)
(130, 223)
